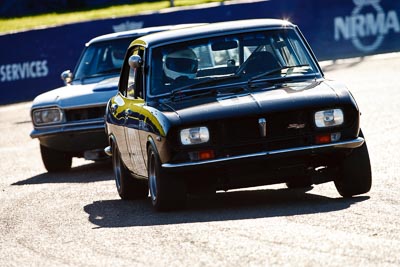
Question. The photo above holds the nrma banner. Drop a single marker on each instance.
(368, 24)
(31, 61)
(349, 28)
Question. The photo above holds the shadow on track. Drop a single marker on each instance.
(92, 172)
(237, 205)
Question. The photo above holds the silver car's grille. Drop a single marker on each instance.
(76, 115)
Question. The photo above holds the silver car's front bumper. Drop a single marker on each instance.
(73, 137)
(68, 128)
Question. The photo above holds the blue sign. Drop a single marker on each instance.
(31, 62)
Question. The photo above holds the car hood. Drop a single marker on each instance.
(79, 95)
(283, 97)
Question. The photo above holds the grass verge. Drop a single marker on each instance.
(8, 25)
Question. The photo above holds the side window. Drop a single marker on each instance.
(135, 78)
(130, 92)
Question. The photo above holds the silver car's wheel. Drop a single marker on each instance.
(54, 160)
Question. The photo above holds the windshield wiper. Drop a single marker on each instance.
(189, 88)
(267, 73)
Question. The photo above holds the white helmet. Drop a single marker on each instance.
(181, 63)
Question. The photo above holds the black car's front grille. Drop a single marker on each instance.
(278, 126)
(283, 130)
(76, 115)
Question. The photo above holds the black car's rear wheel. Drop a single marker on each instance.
(166, 192)
(54, 160)
(354, 176)
(127, 186)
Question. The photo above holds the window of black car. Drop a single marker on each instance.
(102, 58)
(245, 55)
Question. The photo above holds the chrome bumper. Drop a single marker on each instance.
(67, 128)
(311, 149)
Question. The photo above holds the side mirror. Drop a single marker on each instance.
(67, 76)
(135, 61)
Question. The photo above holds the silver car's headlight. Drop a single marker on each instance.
(47, 116)
(329, 118)
(196, 135)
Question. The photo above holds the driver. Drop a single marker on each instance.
(180, 65)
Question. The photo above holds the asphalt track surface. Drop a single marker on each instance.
(77, 218)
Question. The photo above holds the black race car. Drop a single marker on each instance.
(231, 105)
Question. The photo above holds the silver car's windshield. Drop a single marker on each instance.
(102, 58)
(246, 55)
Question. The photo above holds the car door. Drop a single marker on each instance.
(134, 119)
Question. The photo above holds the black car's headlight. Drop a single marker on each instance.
(195, 135)
(329, 118)
(47, 116)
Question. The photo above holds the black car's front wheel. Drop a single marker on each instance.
(166, 192)
(127, 186)
(354, 176)
(54, 160)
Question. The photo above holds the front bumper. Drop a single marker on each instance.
(73, 138)
(316, 162)
(67, 128)
(313, 149)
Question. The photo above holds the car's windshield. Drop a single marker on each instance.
(246, 55)
(102, 58)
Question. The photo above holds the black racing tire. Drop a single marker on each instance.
(128, 187)
(54, 160)
(167, 193)
(355, 176)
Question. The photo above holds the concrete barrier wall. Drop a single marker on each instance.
(31, 61)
